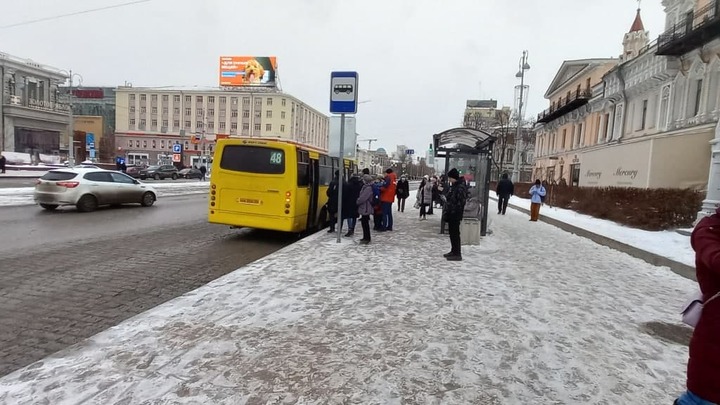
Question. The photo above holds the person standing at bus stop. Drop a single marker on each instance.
(387, 198)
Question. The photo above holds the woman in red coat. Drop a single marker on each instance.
(703, 372)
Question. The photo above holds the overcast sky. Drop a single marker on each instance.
(418, 60)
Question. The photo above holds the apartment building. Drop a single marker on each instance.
(648, 122)
(150, 120)
(33, 119)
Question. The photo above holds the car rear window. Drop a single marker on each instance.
(58, 176)
(253, 159)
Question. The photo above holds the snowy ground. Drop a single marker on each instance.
(24, 195)
(533, 315)
(668, 244)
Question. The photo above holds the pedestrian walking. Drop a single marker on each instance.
(351, 193)
(537, 193)
(453, 212)
(424, 196)
(703, 369)
(365, 206)
(203, 170)
(3, 161)
(504, 190)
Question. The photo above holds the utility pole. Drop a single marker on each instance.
(518, 136)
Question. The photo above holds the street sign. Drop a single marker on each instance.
(92, 153)
(410, 152)
(343, 92)
(177, 157)
(177, 148)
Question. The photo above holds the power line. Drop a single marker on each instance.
(73, 14)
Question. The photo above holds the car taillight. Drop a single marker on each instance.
(287, 196)
(68, 184)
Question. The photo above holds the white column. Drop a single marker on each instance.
(712, 200)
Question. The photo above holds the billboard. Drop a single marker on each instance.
(248, 71)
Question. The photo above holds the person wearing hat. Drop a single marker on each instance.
(453, 212)
(387, 198)
(537, 194)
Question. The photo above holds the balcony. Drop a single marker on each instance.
(572, 102)
(696, 30)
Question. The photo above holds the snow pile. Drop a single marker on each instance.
(668, 244)
(24, 195)
(18, 158)
(392, 323)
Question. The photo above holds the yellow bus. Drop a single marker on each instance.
(271, 184)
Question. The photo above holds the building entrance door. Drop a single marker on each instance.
(575, 175)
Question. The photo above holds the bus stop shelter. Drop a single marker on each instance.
(470, 152)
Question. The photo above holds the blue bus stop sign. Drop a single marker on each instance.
(343, 92)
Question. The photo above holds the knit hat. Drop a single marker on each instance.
(453, 174)
(367, 178)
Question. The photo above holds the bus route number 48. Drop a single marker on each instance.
(276, 158)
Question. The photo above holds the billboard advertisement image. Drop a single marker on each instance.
(248, 71)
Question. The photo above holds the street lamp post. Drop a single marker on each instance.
(71, 125)
(518, 136)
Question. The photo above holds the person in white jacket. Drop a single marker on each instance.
(537, 192)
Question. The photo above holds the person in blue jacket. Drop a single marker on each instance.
(537, 193)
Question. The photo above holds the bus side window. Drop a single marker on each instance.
(303, 168)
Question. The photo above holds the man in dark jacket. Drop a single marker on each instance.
(505, 188)
(403, 192)
(453, 212)
(2, 163)
(350, 209)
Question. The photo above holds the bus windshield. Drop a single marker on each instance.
(253, 159)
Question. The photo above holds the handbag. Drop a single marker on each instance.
(693, 310)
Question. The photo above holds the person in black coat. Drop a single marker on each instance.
(504, 190)
(402, 191)
(332, 203)
(2, 163)
(351, 193)
(453, 212)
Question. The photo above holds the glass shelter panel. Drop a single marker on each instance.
(473, 168)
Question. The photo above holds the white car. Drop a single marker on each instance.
(89, 188)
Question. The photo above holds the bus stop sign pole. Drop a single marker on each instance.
(341, 176)
(343, 100)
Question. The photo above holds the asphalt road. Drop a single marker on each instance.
(65, 275)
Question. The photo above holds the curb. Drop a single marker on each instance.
(656, 260)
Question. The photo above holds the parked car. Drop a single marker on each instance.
(134, 170)
(159, 172)
(88, 188)
(190, 174)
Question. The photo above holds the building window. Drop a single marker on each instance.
(137, 144)
(199, 99)
(257, 127)
(282, 114)
(176, 99)
(282, 128)
(211, 125)
(145, 144)
(246, 113)
(176, 124)
(268, 114)
(143, 97)
(132, 110)
(234, 113)
(154, 144)
(132, 99)
(188, 99)
(246, 126)
(222, 124)
(223, 100)
(165, 110)
(153, 123)
(199, 112)
(258, 101)
(130, 143)
(165, 123)
(199, 124)
(269, 101)
(162, 144)
(233, 100)
(233, 126)
(188, 111)
(211, 99)
(644, 114)
(211, 112)
(176, 111)
(283, 102)
(698, 97)
(154, 110)
(258, 114)
(165, 98)
(246, 100)
(188, 124)
(186, 145)
(132, 122)
(142, 124)
(143, 110)
(268, 127)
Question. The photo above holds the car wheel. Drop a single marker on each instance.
(174, 176)
(148, 199)
(49, 207)
(87, 203)
(156, 176)
(143, 178)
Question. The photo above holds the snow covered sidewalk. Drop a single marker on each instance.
(24, 195)
(534, 315)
